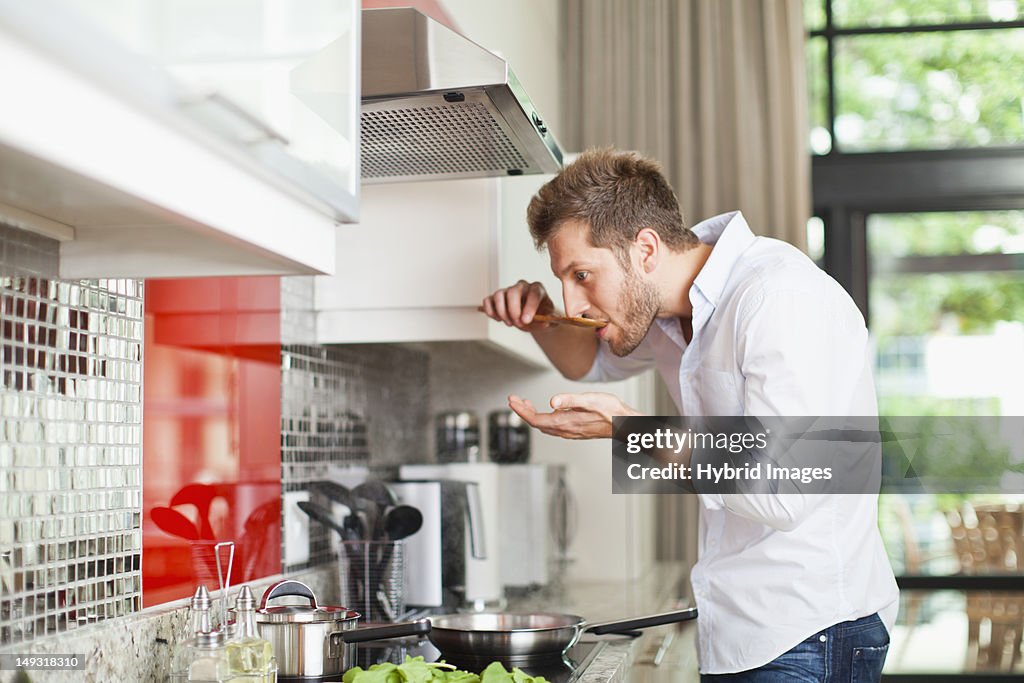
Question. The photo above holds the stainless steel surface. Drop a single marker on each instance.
(497, 635)
(475, 518)
(313, 640)
(436, 105)
(530, 633)
(303, 637)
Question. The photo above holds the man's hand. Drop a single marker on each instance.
(576, 416)
(516, 305)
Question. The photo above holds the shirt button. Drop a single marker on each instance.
(822, 638)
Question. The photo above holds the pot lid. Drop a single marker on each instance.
(303, 614)
(298, 614)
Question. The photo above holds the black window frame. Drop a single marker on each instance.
(847, 187)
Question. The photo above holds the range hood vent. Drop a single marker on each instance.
(436, 106)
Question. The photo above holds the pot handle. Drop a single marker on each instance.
(399, 630)
(642, 622)
(289, 587)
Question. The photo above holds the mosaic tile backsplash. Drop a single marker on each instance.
(71, 450)
(349, 405)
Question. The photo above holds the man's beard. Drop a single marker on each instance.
(639, 303)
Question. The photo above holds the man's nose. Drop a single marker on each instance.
(575, 303)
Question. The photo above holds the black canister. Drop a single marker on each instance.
(458, 436)
(509, 437)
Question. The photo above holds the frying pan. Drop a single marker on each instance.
(535, 634)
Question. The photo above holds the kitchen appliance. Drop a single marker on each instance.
(457, 436)
(508, 437)
(451, 536)
(455, 559)
(310, 641)
(532, 636)
(523, 525)
(436, 105)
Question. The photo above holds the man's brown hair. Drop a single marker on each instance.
(617, 193)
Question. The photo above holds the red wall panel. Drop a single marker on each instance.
(211, 430)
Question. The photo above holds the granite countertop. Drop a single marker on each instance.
(661, 653)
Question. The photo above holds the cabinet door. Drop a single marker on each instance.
(417, 246)
(279, 79)
(520, 259)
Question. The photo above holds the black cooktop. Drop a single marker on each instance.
(567, 670)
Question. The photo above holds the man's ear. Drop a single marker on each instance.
(648, 243)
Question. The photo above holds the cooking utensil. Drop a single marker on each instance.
(313, 640)
(536, 634)
(402, 521)
(376, 496)
(564, 319)
(365, 564)
(322, 515)
(172, 522)
(375, 490)
(570, 320)
(334, 492)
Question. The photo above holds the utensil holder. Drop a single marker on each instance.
(372, 579)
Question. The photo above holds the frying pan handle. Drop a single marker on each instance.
(399, 630)
(642, 622)
(288, 587)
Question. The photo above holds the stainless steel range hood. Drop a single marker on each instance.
(435, 106)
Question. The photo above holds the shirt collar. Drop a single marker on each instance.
(730, 236)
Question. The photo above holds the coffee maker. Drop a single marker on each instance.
(453, 561)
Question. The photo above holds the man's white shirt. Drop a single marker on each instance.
(773, 335)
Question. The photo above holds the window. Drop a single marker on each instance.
(915, 74)
(917, 132)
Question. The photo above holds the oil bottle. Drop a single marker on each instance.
(250, 657)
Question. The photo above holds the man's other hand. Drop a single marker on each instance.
(574, 416)
(516, 305)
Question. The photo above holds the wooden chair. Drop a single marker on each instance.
(989, 539)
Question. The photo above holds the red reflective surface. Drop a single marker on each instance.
(211, 432)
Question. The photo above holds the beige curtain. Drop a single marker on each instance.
(713, 89)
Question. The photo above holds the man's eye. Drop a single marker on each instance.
(581, 275)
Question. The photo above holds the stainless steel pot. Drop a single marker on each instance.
(536, 634)
(313, 640)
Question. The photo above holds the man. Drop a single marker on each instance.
(736, 325)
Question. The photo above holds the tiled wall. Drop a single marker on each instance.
(71, 449)
(344, 405)
(71, 424)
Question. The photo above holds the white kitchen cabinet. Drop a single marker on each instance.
(423, 257)
(211, 171)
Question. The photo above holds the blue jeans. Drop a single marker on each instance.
(849, 652)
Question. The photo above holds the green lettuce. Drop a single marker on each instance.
(417, 670)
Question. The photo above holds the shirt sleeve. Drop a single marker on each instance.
(608, 367)
(802, 352)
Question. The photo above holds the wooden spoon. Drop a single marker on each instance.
(564, 320)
